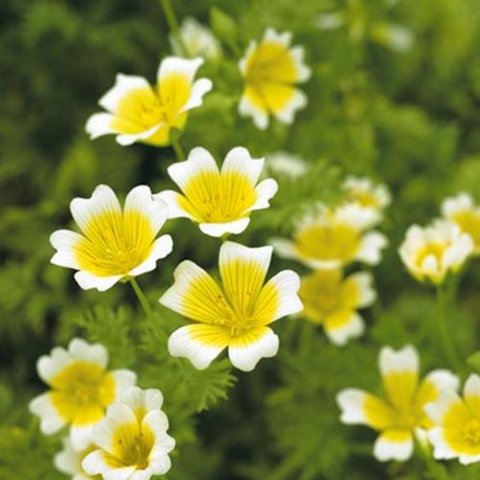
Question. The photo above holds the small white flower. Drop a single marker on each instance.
(271, 70)
(283, 164)
(138, 112)
(114, 243)
(219, 200)
(81, 388)
(333, 237)
(132, 440)
(195, 40)
(430, 253)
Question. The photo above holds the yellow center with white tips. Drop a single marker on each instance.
(213, 197)
(81, 392)
(469, 222)
(364, 198)
(432, 249)
(114, 243)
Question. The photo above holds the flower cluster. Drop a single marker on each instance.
(116, 429)
(328, 240)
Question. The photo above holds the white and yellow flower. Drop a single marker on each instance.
(400, 413)
(332, 301)
(138, 112)
(283, 164)
(114, 244)
(431, 253)
(132, 441)
(81, 388)
(195, 40)
(456, 420)
(334, 237)
(462, 211)
(367, 194)
(234, 315)
(220, 201)
(271, 69)
(69, 461)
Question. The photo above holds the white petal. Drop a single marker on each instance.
(79, 349)
(124, 85)
(199, 89)
(467, 459)
(182, 344)
(351, 402)
(67, 461)
(246, 357)
(49, 365)
(162, 247)
(443, 380)
(126, 139)
(441, 448)
(95, 464)
(187, 67)
(304, 72)
(385, 449)
(64, 241)
(123, 380)
(157, 421)
(452, 205)
(403, 360)
(437, 409)
(238, 160)
(100, 124)
(265, 191)
(248, 109)
(199, 161)
(87, 280)
(353, 328)
(102, 200)
(81, 437)
(50, 421)
(160, 463)
(472, 386)
(271, 35)
(370, 250)
(219, 229)
(136, 398)
(287, 114)
(172, 200)
(367, 294)
(357, 216)
(284, 248)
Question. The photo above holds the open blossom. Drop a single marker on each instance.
(81, 388)
(456, 420)
(69, 461)
(138, 112)
(462, 211)
(219, 200)
(195, 40)
(332, 301)
(132, 441)
(271, 69)
(333, 237)
(114, 243)
(367, 194)
(400, 414)
(235, 314)
(430, 253)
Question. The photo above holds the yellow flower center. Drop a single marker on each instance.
(212, 197)
(81, 392)
(471, 431)
(434, 249)
(327, 242)
(469, 222)
(364, 198)
(115, 243)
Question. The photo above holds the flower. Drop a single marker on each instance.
(462, 211)
(81, 389)
(332, 301)
(195, 40)
(69, 460)
(284, 164)
(132, 440)
(138, 112)
(114, 244)
(219, 200)
(236, 314)
(456, 430)
(367, 194)
(271, 69)
(401, 413)
(333, 237)
(432, 252)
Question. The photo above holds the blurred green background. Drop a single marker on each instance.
(395, 95)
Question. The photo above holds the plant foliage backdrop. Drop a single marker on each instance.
(394, 95)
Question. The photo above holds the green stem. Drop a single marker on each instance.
(444, 298)
(170, 16)
(177, 147)
(141, 297)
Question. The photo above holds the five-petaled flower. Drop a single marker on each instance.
(219, 200)
(456, 423)
(81, 388)
(132, 441)
(271, 70)
(114, 244)
(334, 237)
(235, 315)
(462, 211)
(332, 301)
(401, 413)
(431, 253)
(138, 112)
